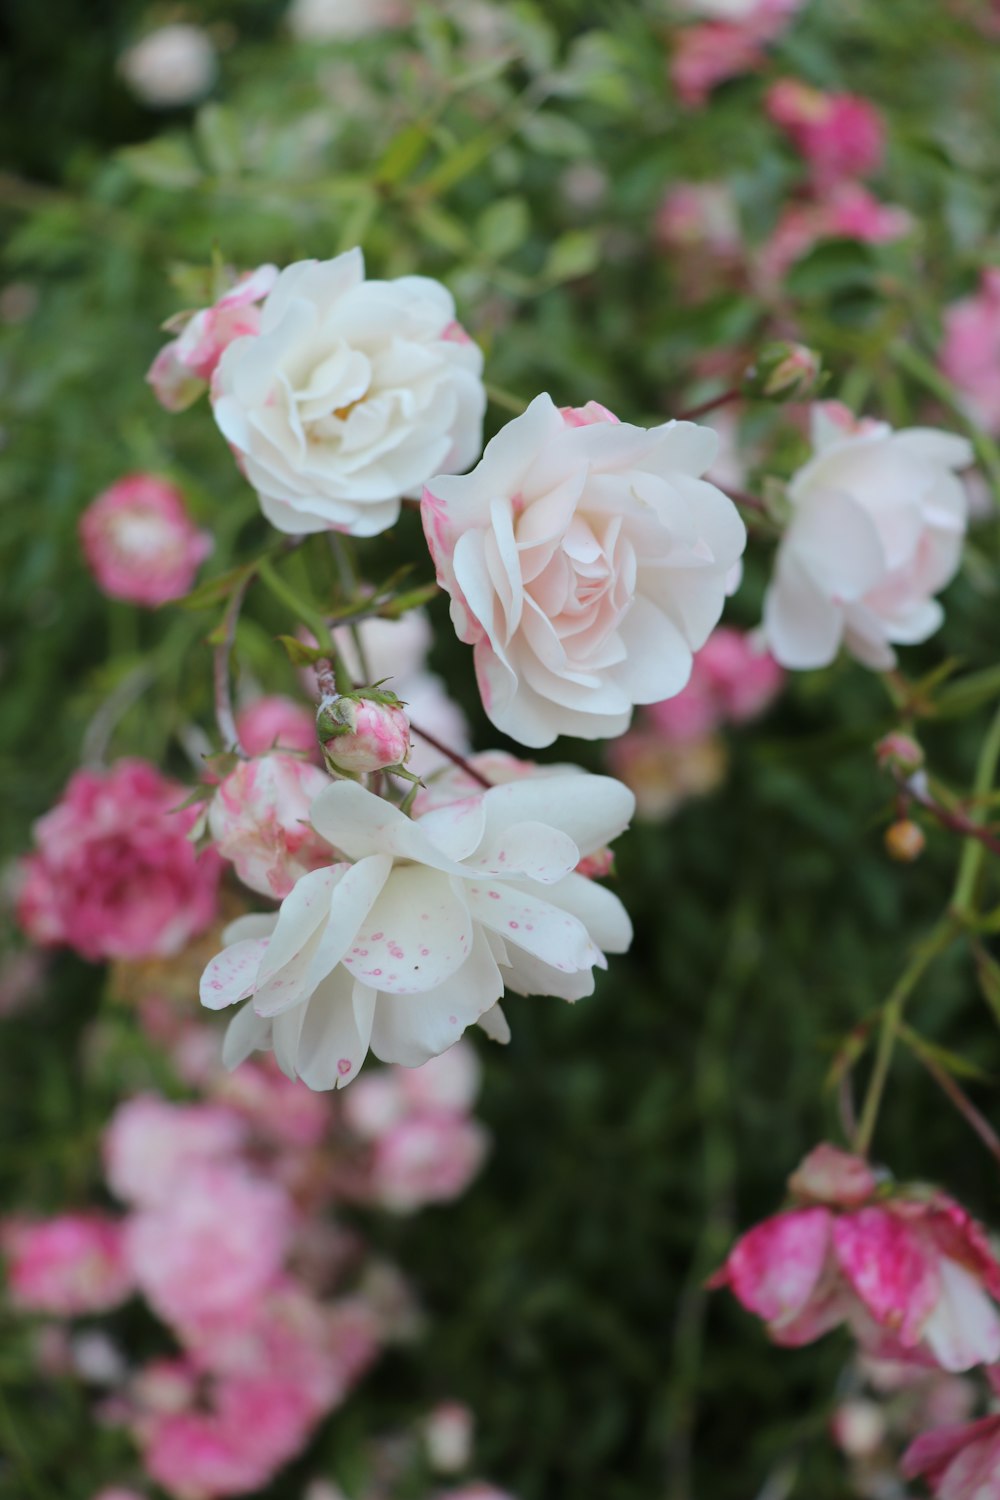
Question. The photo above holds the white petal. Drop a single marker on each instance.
(599, 909)
(416, 935)
(534, 850)
(803, 627)
(964, 1329)
(232, 974)
(495, 1024)
(350, 903)
(525, 921)
(254, 924)
(592, 810)
(247, 1032)
(336, 1032)
(410, 1029)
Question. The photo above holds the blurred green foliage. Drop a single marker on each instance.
(637, 1131)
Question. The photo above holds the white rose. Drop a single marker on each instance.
(350, 396)
(326, 20)
(878, 520)
(586, 561)
(413, 941)
(173, 65)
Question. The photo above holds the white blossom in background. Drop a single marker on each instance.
(170, 67)
(342, 20)
(878, 520)
(587, 560)
(413, 936)
(351, 395)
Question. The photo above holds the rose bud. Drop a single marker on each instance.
(904, 841)
(784, 372)
(899, 752)
(361, 734)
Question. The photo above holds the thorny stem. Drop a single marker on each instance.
(453, 755)
(713, 404)
(934, 944)
(224, 716)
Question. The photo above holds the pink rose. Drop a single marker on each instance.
(274, 1106)
(151, 1146)
(259, 820)
(68, 1266)
(140, 543)
(585, 565)
(839, 135)
(184, 367)
(913, 1277)
(958, 1462)
(275, 722)
(732, 681)
(211, 1247)
(360, 735)
(114, 874)
(970, 356)
(430, 1158)
(731, 40)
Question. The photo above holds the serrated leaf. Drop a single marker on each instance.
(167, 162)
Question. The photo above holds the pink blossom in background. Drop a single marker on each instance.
(848, 211)
(277, 722)
(274, 1106)
(700, 216)
(119, 1495)
(663, 774)
(839, 135)
(184, 367)
(212, 1249)
(140, 543)
(150, 1146)
(732, 681)
(970, 355)
(259, 821)
(478, 1489)
(958, 1463)
(68, 1266)
(731, 40)
(428, 1159)
(114, 874)
(913, 1277)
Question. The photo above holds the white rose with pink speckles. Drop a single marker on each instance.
(587, 560)
(413, 937)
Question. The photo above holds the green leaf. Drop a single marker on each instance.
(403, 154)
(167, 162)
(573, 254)
(555, 135)
(301, 655)
(950, 1062)
(502, 227)
(220, 139)
(988, 974)
(216, 590)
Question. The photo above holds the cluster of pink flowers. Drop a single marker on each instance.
(729, 38)
(226, 1235)
(840, 136)
(673, 751)
(140, 543)
(970, 355)
(114, 873)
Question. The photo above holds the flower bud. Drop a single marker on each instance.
(904, 841)
(899, 752)
(363, 734)
(784, 372)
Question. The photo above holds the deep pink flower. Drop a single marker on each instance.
(732, 41)
(67, 1266)
(259, 819)
(958, 1463)
(117, 1494)
(140, 543)
(277, 722)
(212, 1247)
(913, 1276)
(848, 211)
(150, 1146)
(970, 356)
(114, 874)
(184, 367)
(839, 135)
(731, 682)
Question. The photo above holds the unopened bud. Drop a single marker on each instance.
(904, 841)
(784, 372)
(899, 752)
(361, 734)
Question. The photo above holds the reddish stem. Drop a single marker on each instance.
(703, 407)
(962, 1103)
(453, 755)
(955, 822)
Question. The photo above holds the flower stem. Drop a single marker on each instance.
(453, 755)
(310, 616)
(940, 938)
(971, 863)
(506, 399)
(712, 404)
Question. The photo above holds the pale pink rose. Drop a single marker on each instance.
(140, 543)
(259, 821)
(150, 1146)
(859, 1427)
(847, 211)
(277, 723)
(116, 1494)
(586, 565)
(448, 1431)
(913, 1277)
(429, 1158)
(212, 1247)
(364, 736)
(184, 367)
(732, 682)
(351, 395)
(114, 874)
(970, 355)
(700, 216)
(69, 1265)
(839, 135)
(958, 1463)
(877, 526)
